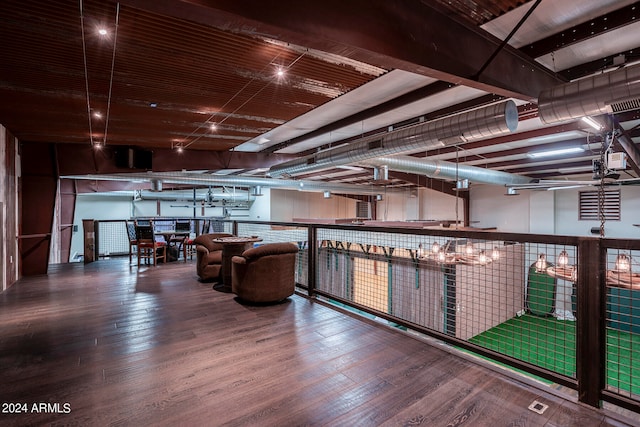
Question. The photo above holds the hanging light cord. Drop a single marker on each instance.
(113, 62)
(604, 147)
(457, 189)
(86, 75)
(245, 102)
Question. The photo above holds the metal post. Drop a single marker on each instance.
(590, 335)
(312, 256)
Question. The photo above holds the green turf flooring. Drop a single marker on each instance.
(551, 344)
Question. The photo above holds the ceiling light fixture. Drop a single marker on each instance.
(213, 126)
(591, 122)
(102, 32)
(558, 152)
(280, 72)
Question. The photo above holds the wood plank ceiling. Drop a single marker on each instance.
(205, 77)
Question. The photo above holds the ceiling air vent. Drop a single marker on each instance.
(375, 144)
(628, 105)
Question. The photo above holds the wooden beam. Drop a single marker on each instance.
(419, 37)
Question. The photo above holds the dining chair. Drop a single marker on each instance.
(133, 241)
(148, 247)
(184, 242)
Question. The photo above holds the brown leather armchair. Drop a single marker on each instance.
(209, 256)
(265, 273)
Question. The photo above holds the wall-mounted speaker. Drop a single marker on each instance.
(134, 158)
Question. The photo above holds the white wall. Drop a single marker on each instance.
(261, 208)
(489, 207)
(566, 215)
(97, 207)
(439, 206)
(424, 204)
(549, 212)
(289, 204)
(396, 207)
(539, 212)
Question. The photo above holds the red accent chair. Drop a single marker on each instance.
(148, 247)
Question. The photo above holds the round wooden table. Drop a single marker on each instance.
(231, 246)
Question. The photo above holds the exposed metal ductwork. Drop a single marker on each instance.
(182, 196)
(447, 170)
(493, 120)
(606, 93)
(238, 181)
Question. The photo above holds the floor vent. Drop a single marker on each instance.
(538, 407)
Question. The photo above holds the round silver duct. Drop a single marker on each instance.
(238, 181)
(605, 93)
(447, 170)
(493, 120)
(156, 185)
(381, 173)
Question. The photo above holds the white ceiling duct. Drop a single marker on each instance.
(447, 170)
(181, 196)
(239, 181)
(605, 93)
(493, 120)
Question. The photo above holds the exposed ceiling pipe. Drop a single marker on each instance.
(173, 195)
(180, 196)
(447, 170)
(605, 93)
(240, 181)
(490, 121)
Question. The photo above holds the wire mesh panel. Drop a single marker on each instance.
(418, 292)
(217, 226)
(536, 295)
(335, 268)
(513, 298)
(359, 265)
(623, 322)
(113, 238)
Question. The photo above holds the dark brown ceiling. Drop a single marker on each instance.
(169, 69)
(192, 73)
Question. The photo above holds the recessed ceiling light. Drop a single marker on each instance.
(102, 32)
(153, 104)
(280, 72)
(213, 126)
(97, 114)
(557, 152)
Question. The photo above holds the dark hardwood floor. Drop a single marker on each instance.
(110, 344)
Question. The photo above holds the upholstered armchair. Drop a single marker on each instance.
(265, 273)
(209, 256)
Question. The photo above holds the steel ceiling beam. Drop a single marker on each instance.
(418, 37)
(584, 31)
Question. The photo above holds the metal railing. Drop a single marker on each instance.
(563, 308)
